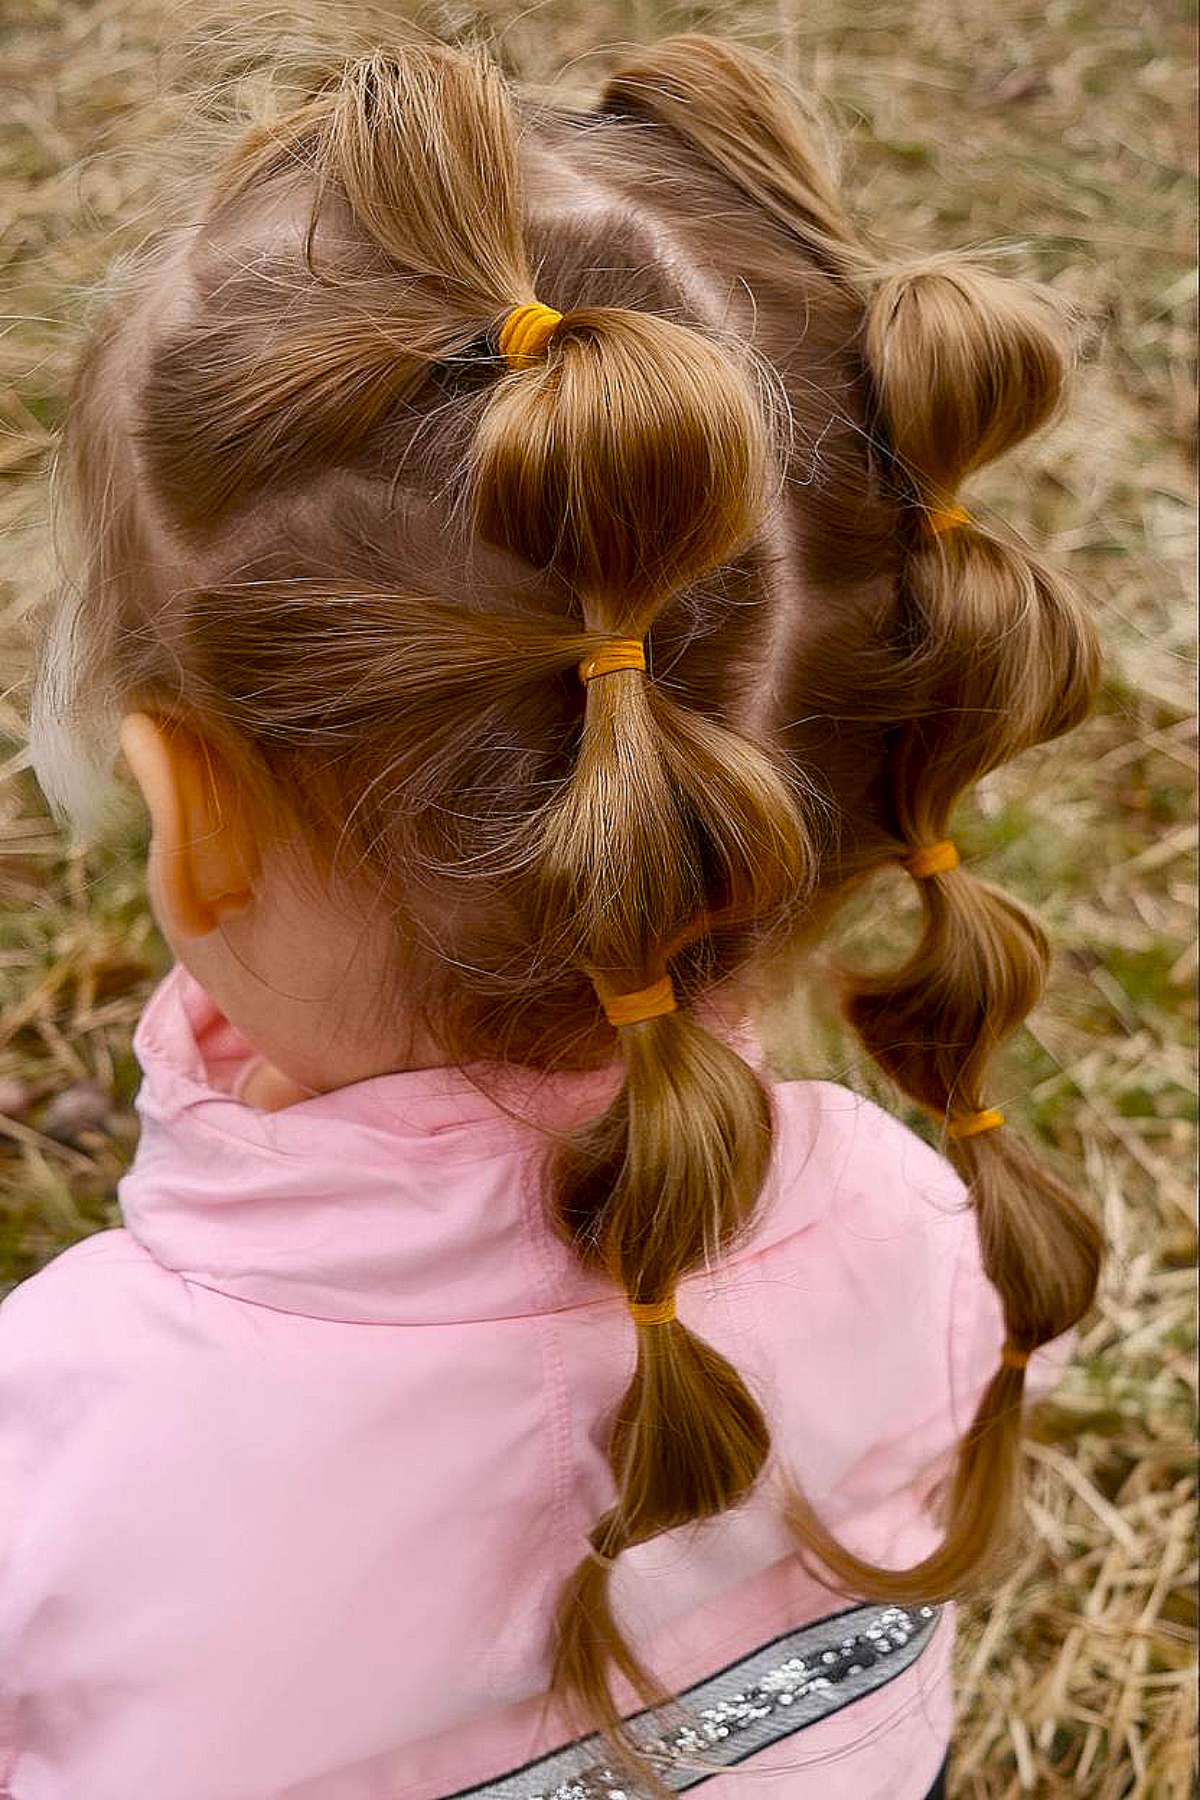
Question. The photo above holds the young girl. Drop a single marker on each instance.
(525, 562)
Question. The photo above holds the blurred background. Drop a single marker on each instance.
(1067, 129)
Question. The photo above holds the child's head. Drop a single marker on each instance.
(345, 561)
(345, 564)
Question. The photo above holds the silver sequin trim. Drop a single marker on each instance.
(766, 1696)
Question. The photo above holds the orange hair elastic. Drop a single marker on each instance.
(653, 1312)
(1013, 1357)
(525, 332)
(971, 1124)
(647, 1003)
(932, 859)
(945, 518)
(622, 653)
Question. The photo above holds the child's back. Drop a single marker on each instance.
(316, 1478)
(368, 1387)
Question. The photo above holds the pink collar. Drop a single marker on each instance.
(407, 1197)
(413, 1197)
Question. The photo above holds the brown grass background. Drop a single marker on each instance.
(1064, 127)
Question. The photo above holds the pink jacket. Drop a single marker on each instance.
(293, 1465)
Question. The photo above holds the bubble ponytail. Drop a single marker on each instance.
(965, 365)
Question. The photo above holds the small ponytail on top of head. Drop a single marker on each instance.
(423, 145)
(966, 363)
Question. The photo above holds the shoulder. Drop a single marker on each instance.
(830, 1135)
(889, 1223)
(99, 1295)
(75, 1341)
(904, 1216)
(75, 1268)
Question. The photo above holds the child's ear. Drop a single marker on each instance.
(203, 856)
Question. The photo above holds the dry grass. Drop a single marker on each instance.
(1065, 125)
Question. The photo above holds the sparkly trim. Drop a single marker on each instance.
(774, 1692)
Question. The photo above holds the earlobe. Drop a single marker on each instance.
(202, 867)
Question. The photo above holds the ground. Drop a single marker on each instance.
(1065, 129)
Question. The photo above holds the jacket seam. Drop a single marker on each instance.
(533, 1200)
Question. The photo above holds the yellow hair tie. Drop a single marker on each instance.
(971, 1124)
(647, 1003)
(622, 653)
(932, 859)
(525, 332)
(654, 1312)
(945, 518)
(1013, 1357)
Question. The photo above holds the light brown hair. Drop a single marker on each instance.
(326, 522)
